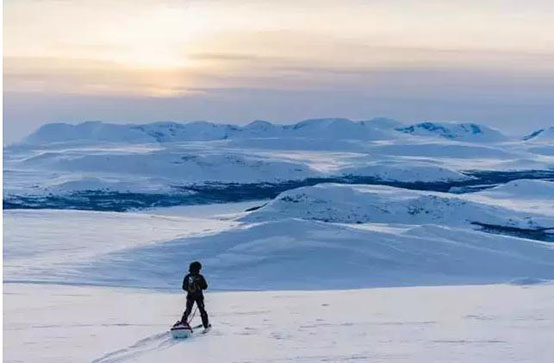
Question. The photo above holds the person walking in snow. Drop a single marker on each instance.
(194, 283)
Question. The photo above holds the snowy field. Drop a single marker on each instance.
(325, 240)
(53, 314)
(500, 323)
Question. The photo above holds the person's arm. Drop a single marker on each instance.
(203, 283)
(186, 283)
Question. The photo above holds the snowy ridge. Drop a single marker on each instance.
(330, 128)
(523, 189)
(532, 196)
(381, 204)
(403, 173)
(162, 132)
(176, 165)
(455, 131)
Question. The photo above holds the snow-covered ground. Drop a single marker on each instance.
(452, 259)
(500, 323)
(329, 237)
(53, 314)
(47, 320)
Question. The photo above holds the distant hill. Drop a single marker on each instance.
(455, 131)
(325, 128)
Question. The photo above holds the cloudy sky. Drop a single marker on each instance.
(489, 61)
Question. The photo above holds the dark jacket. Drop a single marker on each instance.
(194, 284)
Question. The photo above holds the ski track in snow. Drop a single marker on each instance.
(157, 342)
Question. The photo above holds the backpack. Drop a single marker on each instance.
(192, 286)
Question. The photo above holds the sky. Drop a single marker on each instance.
(234, 61)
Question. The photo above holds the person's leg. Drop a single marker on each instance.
(203, 313)
(190, 303)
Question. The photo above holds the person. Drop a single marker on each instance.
(194, 284)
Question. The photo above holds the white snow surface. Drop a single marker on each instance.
(328, 236)
(532, 196)
(103, 287)
(94, 131)
(479, 324)
(345, 203)
(70, 279)
(160, 157)
(456, 131)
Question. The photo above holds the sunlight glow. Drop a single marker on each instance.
(164, 48)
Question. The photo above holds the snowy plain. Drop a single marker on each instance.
(492, 323)
(50, 318)
(366, 241)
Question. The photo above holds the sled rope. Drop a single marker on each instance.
(192, 316)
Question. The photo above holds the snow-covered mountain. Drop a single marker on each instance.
(523, 189)
(469, 132)
(95, 131)
(257, 160)
(329, 128)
